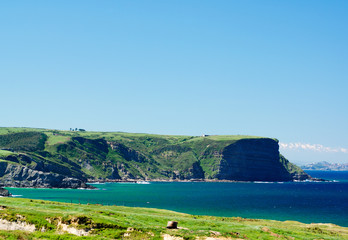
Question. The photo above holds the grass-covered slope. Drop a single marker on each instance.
(38, 219)
(23, 141)
(115, 155)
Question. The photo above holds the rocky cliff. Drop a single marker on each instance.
(4, 192)
(15, 175)
(64, 159)
(255, 160)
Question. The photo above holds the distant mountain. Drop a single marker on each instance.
(69, 159)
(326, 166)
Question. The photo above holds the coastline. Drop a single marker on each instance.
(304, 202)
(89, 184)
(94, 181)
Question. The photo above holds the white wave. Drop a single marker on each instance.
(261, 182)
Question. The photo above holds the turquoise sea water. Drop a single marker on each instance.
(325, 202)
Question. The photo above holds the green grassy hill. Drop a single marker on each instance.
(36, 219)
(114, 155)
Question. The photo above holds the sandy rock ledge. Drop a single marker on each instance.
(23, 226)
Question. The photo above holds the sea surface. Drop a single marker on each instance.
(308, 202)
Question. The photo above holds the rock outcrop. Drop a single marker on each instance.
(127, 153)
(15, 175)
(4, 192)
(17, 225)
(192, 173)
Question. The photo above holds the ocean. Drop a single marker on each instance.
(308, 202)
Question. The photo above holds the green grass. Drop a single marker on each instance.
(112, 222)
(4, 153)
(121, 135)
(7, 130)
(56, 139)
(62, 136)
(25, 141)
(228, 137)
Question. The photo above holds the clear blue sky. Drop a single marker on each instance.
(268, 68)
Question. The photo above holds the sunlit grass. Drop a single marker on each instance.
(113, 222)
(5, 153)
(56, 139)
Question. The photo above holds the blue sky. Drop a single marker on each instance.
(267, 68)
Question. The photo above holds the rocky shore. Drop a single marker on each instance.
(95, 181)
(4, 192)
(15, 175)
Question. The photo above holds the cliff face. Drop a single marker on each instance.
(253, 160)
(127, 153)
(4, 192)
(15, 175)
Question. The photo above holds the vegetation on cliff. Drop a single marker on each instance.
(86, 155)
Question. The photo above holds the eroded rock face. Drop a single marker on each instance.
(128, 153)
(253, 160)
(4, 192)
(22, 226)
(40, 164)
(13, 175)
(194, 172)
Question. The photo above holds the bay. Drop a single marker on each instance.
(308, 202)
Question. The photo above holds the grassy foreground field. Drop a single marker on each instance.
(38, 219)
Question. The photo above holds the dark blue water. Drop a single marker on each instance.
(325, 202)
(341, 176)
